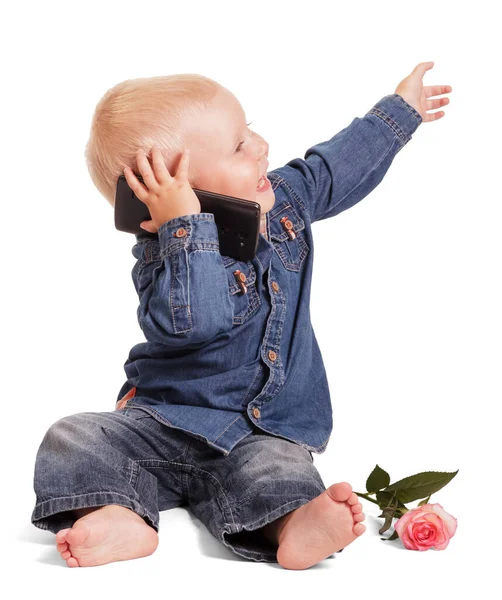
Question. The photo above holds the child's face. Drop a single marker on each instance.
(227, 156)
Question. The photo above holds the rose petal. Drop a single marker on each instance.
(408, 542)
(424, 534)
(401, 527)
(441, 533)
(402, 523)
(434, 519)
(424, 527)
(443, 545)
(449, 521)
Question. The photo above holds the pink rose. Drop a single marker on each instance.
(425, 527)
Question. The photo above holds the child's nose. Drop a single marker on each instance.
(262, 148)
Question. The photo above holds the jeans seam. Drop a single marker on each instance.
(183, 473)
(220, 491)
(229, 529)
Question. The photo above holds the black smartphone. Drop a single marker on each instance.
(237, 220)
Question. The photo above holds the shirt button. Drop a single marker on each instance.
(256, 413)
(181, 232)
(288, 226)
(239, 275)
(272, 355)
(275, 287)
(241, 278)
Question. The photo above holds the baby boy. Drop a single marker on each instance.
(227, 399)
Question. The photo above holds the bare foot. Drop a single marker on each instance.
(324, 525)
(106, 534)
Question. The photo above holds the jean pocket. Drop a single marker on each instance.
(287, 233)
(241, 276)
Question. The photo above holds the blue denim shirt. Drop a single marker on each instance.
(221, 356)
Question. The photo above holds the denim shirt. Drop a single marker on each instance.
(226, 354)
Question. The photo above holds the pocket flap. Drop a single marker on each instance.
(233, 265)
(277, 231)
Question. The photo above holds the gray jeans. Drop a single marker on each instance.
(127, 457)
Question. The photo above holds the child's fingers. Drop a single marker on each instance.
(136, 186)
(432, 104)
(148, 226)
(146, 171)
(159, 166)
(436, 90)
(182, 171)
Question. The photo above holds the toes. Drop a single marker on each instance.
(65, 555)
(358, 529)
(353, 498)
(61, 535)
(357, 508)
(62, 547)
(359, 517)
(72, 562)
(340, 491)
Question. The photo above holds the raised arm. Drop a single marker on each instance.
(338, 173)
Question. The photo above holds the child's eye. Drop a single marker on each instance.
(240, 145)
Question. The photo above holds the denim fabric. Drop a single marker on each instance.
(222, 359)
(127, 457)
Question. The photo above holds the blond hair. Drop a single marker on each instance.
(142, 113)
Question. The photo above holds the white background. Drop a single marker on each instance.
(406, 291)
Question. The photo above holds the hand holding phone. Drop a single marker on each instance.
(166, 196)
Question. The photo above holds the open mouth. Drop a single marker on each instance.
(263, 184)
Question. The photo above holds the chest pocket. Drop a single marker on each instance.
(287, 232)
(241, 278)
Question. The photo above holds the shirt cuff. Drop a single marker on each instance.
(400, 116)
(198, 230)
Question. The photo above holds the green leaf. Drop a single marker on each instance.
(420, 485)
(384, 500)
(377, 480)
(426, 501)
(394, 536)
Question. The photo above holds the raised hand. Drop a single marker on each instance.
(166, 196)
(419, 96)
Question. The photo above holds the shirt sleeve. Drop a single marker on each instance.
(338, 173)
(181, 282)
